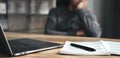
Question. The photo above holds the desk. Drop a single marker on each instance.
(58, 39)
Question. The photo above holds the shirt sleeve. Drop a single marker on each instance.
(89, 27)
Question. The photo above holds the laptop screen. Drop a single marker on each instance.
(4, 45)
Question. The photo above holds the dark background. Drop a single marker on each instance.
(111, 19)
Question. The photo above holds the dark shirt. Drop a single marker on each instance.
(62, 21)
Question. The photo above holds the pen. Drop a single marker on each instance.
(83, 47)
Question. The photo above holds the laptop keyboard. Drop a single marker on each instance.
(19, 47)
(22, 45)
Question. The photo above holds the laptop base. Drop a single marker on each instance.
(25, 46)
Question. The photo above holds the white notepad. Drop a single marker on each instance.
(101, 47)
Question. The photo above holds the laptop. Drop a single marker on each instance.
(23, 46)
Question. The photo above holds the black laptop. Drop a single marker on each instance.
(23, 46)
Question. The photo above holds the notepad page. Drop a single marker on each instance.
(114, 47)
(68, 49)
(106, 46)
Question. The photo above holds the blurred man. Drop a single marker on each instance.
(73, 20)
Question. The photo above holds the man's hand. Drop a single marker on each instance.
(80, 33)
(95, 22)
(82, 5)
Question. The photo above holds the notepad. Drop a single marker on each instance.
(101, 47)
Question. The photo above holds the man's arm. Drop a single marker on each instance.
(50, 27)
(91, 27)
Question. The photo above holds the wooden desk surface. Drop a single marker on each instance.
(58, 39)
